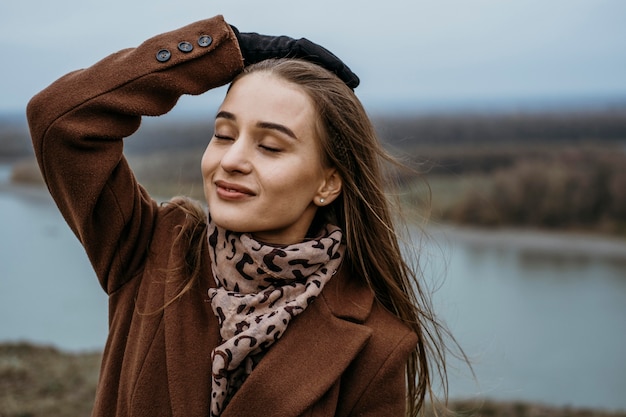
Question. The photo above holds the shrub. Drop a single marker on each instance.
(580, 188)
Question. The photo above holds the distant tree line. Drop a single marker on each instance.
(450, 129)
(574, 189)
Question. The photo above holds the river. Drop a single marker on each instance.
(543, 317)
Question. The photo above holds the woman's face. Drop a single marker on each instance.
(262, 170)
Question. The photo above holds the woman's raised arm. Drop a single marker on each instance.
(77, 125)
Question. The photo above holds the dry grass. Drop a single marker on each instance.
(39, 381)
(26, 171)
(489, 408)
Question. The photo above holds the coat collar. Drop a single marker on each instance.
(315, 350)
(347, 297)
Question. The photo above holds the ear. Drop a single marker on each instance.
(330, 188)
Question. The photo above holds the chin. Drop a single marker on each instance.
(232, 223)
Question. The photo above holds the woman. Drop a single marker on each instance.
(291, 297)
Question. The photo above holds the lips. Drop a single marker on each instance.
(230, 190)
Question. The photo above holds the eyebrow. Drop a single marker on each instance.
(263, 125)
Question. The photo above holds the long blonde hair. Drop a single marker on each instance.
(365, 214)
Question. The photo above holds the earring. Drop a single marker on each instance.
(322, 201)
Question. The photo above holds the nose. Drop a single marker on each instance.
(236, 158)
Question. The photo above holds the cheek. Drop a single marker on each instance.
(207, 163)
(296, 184)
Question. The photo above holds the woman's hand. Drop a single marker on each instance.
(255, 47)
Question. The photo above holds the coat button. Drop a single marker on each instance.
(205, 40)
(185, 47)
(163, 55)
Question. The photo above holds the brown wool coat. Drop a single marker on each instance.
(344, 356)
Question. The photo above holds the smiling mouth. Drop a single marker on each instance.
(232, 191)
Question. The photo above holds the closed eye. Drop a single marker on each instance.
(270, 148)
(222, 137)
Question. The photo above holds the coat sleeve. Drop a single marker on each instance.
(385, 394)
(77, 125)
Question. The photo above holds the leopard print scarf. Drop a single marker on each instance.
(260, 288)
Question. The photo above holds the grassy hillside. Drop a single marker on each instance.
(42, 381)
(38, 381)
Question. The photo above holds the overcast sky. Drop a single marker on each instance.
(426, 52)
